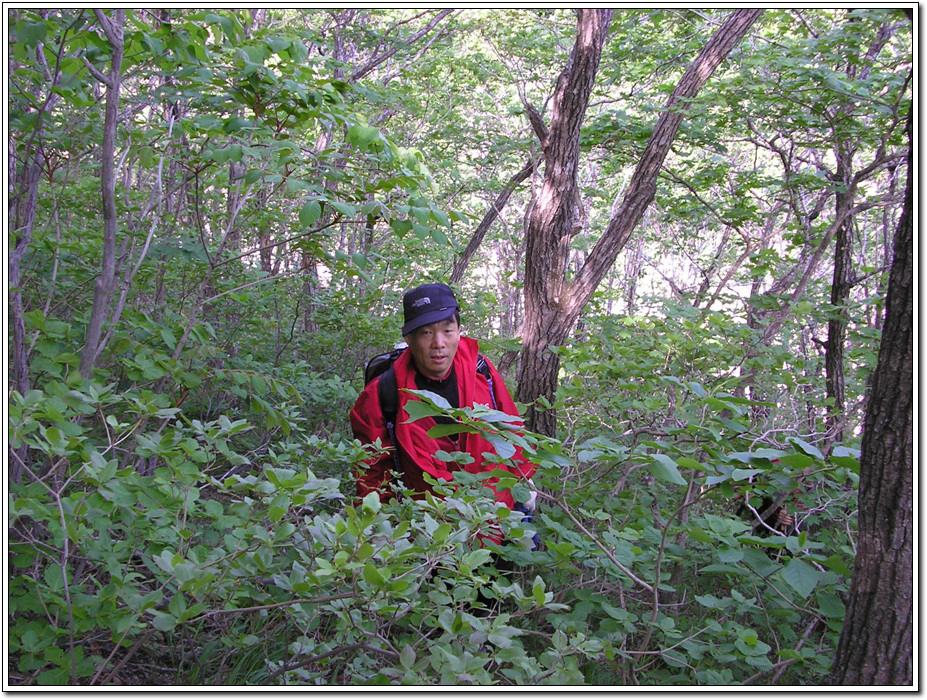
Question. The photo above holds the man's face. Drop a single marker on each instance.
(434, 347)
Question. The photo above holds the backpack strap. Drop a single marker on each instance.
(388, 393)
(482, 366)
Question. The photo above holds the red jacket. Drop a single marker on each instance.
(417, 453)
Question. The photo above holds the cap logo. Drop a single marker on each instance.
(421, 302)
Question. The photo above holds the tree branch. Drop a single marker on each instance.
(642, 189)
(460, 266)
(537, 123)
(377, 60)
(97, 74)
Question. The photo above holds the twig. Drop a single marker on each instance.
(778, 675)
(598, 544)
(760, 674)
(125, 659)
(271, 606)
(337, 650)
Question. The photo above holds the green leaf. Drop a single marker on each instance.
(743, 474)
(504, 448)
(310, 213)
(502, 637)
(665, 469)
(442, 532)
(373, 576)
(236, 124)
(365, 551)
(698, 389)
(440, 217)
(830, 605)
(168, 338)
(31, 33)
(689, 463)
(372, 502)
(401, 228)
(521, 493)
(801, 576)
(835, 563)
(724, 569)
(344, 208)
(362, 136)
(443, 430)
(797, 461)
(763, 455)
(699, 535)
(59, 675)
(730, 555)
(476, 558)
(146, 156)
(419, 409)
(407, 657)
(459, 457)
(710, 601)
(846, 457)
(563, 548)
(432, 398)
(537, 590)
(615, 613)
(806, 447)
(163, 621)
(125, 622)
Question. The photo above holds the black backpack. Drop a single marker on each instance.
(388, 390)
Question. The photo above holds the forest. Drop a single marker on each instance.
(684, 236)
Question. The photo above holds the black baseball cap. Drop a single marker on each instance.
(427, 304)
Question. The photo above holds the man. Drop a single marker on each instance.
(440, 360)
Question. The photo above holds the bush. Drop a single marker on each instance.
(229, 564)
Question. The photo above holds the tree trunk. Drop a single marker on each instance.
(551, 304)
(877, 640)
(836, 335)
(843, 278)
(106, 282)
(835, 379)
(550, 226)
(22, 218)
(22, 203)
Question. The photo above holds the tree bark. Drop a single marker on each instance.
(552, 305)
(105, 284)
(877, 640)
